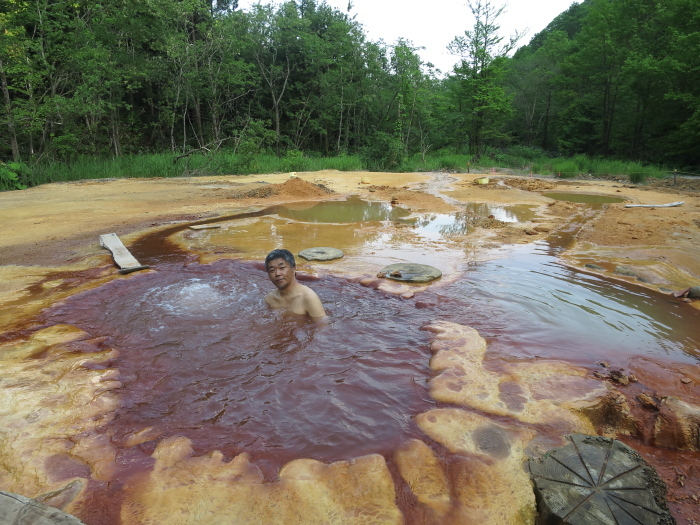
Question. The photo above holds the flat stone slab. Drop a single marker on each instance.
(20, 510)
(598, 481)
(321, 254)
(410, 272)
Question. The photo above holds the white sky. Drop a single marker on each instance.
(433, 24)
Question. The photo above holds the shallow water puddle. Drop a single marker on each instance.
(352, 210)
(529, 305)
(360, 228)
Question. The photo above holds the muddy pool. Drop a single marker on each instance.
(199, 355)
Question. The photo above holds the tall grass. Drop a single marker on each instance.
(166, 165)
(518, 160)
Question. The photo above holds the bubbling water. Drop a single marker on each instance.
(201, 355)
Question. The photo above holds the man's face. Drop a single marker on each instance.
(281, 273)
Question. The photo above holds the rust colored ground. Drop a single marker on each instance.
(49, 249)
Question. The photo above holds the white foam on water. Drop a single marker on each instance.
(195, 298)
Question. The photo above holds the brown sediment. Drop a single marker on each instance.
(461, 459)
(294, 188)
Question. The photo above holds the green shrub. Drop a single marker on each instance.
(384, 152)
(525, 152)
(294, 161)
(638, 178)
(448, 163)
(566, 168)
(244, 164)
(13, 176)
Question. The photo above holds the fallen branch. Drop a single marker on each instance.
(670, 205)
(206, 149)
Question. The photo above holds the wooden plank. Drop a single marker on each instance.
(122, 257)
(670, 205)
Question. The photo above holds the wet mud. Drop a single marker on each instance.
(180, 373)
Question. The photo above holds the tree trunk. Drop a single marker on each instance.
(10, 116)
(545, 131)
(115, 134)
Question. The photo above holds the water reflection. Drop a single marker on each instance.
(528, 304)
(513, 213)
(351, 210)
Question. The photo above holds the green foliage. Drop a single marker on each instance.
(13, 176)
(565, 168)
(478, 91)
(448, 163)
(638, 178)
(612, 79)
(241, 164)
(294, 161)
(123, 80)
(525, 152)
(384, 152)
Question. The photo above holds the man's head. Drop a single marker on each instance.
(280, 268)
(280, 254)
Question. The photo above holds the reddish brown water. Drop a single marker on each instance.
(202, 356)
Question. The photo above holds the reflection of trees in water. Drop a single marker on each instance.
(483, 210)
(353, 209)
(460, 223)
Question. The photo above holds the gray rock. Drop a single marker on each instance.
(321, 254)
(410, 272)
(598, 481)
(594, 267)
(20, 510)
(694, 292)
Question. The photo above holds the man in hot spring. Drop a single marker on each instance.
(290, 294)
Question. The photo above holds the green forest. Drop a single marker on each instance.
(187, 79)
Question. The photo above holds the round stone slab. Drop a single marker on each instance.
(321, 254)
(19, 509)
(598, 481)
(410, 272)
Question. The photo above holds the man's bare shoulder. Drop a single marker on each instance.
(312, 303)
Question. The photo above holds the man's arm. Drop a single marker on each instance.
(313, 305)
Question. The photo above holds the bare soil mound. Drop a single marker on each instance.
(487, 222)
(529, 184)
(293, 188)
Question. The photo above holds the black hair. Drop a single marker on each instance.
(280, 254)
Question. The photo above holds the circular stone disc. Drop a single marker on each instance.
(321, 254)
(598, 481)
(411, 272)
(19, 509)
